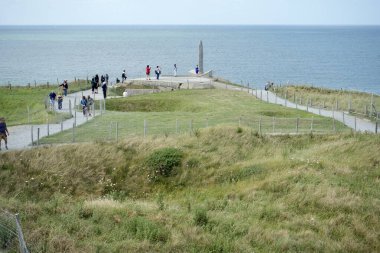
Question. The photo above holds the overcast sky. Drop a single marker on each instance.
(280, 12)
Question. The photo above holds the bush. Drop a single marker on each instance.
(200, 217)
(162, 162)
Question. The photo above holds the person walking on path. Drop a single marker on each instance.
(83, 103)
(123, 76)
(65, 87)
(158, 72)
(90, 102)
(147, 72)
(175, 70)
(104, 87)
(197, 70)
(3, 132)
(60, 100)
(52, 97)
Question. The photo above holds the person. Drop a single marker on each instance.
(52, 97)
(93, 85)
(123, 76)
(97, 83)
(64, 87)
(147, 72)
(125, 93)
(90, 102)
(158, 72)
(107, 77)
(60, 100)
(175, 70)
(3, 132)
(83, 103)
(104, 87)
(117, 80)
(197, 70)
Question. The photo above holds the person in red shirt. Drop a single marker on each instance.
(147, 72)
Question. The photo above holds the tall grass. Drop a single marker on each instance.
(355, 102)
(235, 191)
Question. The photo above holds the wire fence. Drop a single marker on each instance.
(357, 103)
(11, 236)
(115, 131)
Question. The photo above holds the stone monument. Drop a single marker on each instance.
(201, 58)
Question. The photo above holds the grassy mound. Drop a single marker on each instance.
(233, 191)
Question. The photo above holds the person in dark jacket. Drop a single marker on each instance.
(3, 132)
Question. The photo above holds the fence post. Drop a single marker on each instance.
(337, 105)
(261, 94)
(343, 117)
(376, 126)
(355, 123)
(260, 125)
(349, 104)
(286, 98)
(176, 126)
(48, 128)
(38, 136)
(23, 248)
(324, 104)
(75, 117)
(104, 105)
(117, 131)
(267, 97)
(334, 127)
(256, 92)
(28, 114)
(371, 105)
(145, 128)
(73, 132)
(70, 110)
(31, 134)
(312, 124)
(297, 125)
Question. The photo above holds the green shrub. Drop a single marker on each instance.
(144, 229)
(200, 217)
(162, 162)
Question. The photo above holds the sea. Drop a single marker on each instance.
(339, 57)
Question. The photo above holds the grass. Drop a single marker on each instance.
(234, 191)
(186, 111)
(14, 103)
(354, 102)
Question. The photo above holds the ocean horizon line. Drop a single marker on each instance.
(190, 25)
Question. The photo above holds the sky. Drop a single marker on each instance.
(190, 12)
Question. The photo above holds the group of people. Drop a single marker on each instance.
(86, 104)
(96, 82)
(53, 97)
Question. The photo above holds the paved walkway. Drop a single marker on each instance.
(22, 136)
(355, 123)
